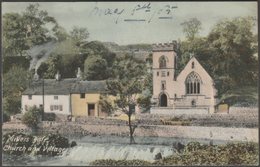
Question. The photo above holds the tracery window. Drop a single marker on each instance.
(193, 82)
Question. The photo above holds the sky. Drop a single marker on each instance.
(138, 22)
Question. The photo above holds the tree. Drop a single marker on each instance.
(198, 46)
(79, 34)
(15, 81)
(35, 21)
(106, 104)
(13, 35)
(126, 86)
(191, 28)
(32, 117)
(50, 68)
(233, 44)
(144, 101)
(60, 33)
(98, 48)
(22, 31)
(95, 68)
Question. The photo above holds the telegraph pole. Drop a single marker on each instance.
(43, 98)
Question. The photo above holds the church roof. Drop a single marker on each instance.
(65, 87)
(193, 58)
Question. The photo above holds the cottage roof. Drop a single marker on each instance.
(64, 87)
(89, 87)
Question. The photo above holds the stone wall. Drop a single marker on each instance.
(171, 111)
(196, 132)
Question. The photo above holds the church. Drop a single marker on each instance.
(191, 91)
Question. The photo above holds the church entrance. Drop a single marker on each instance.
(163, 100)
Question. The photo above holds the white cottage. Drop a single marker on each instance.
(52, 94)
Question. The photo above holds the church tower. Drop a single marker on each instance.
(164, 66)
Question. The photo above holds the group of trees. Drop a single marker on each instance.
(227, 52)
(22, 31)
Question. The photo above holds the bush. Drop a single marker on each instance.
(6, 117)
(194, 153)
(144, 102)
(49, 116)
(11, 105)
(200, 154)
(32, 117)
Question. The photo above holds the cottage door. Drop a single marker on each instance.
(91, 110)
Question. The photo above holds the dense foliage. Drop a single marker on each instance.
(230, 154)
(10, 61)
(227, 53)
(32, 117)
(15, 81)
(22, 31)
(195, 153)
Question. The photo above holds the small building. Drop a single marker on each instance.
(51, 94)
(85, 96)
(70, 96)
(191, 91)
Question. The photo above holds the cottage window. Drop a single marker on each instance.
(193, 82)
(56, 107)
(30, 97)
(61, 108)
(82, 95)
(56, 97)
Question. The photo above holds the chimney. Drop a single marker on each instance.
(79, 74)
(58, 76)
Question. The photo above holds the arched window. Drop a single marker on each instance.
(162, 62)
(192, 83)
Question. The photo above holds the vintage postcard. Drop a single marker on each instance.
(130, 83)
